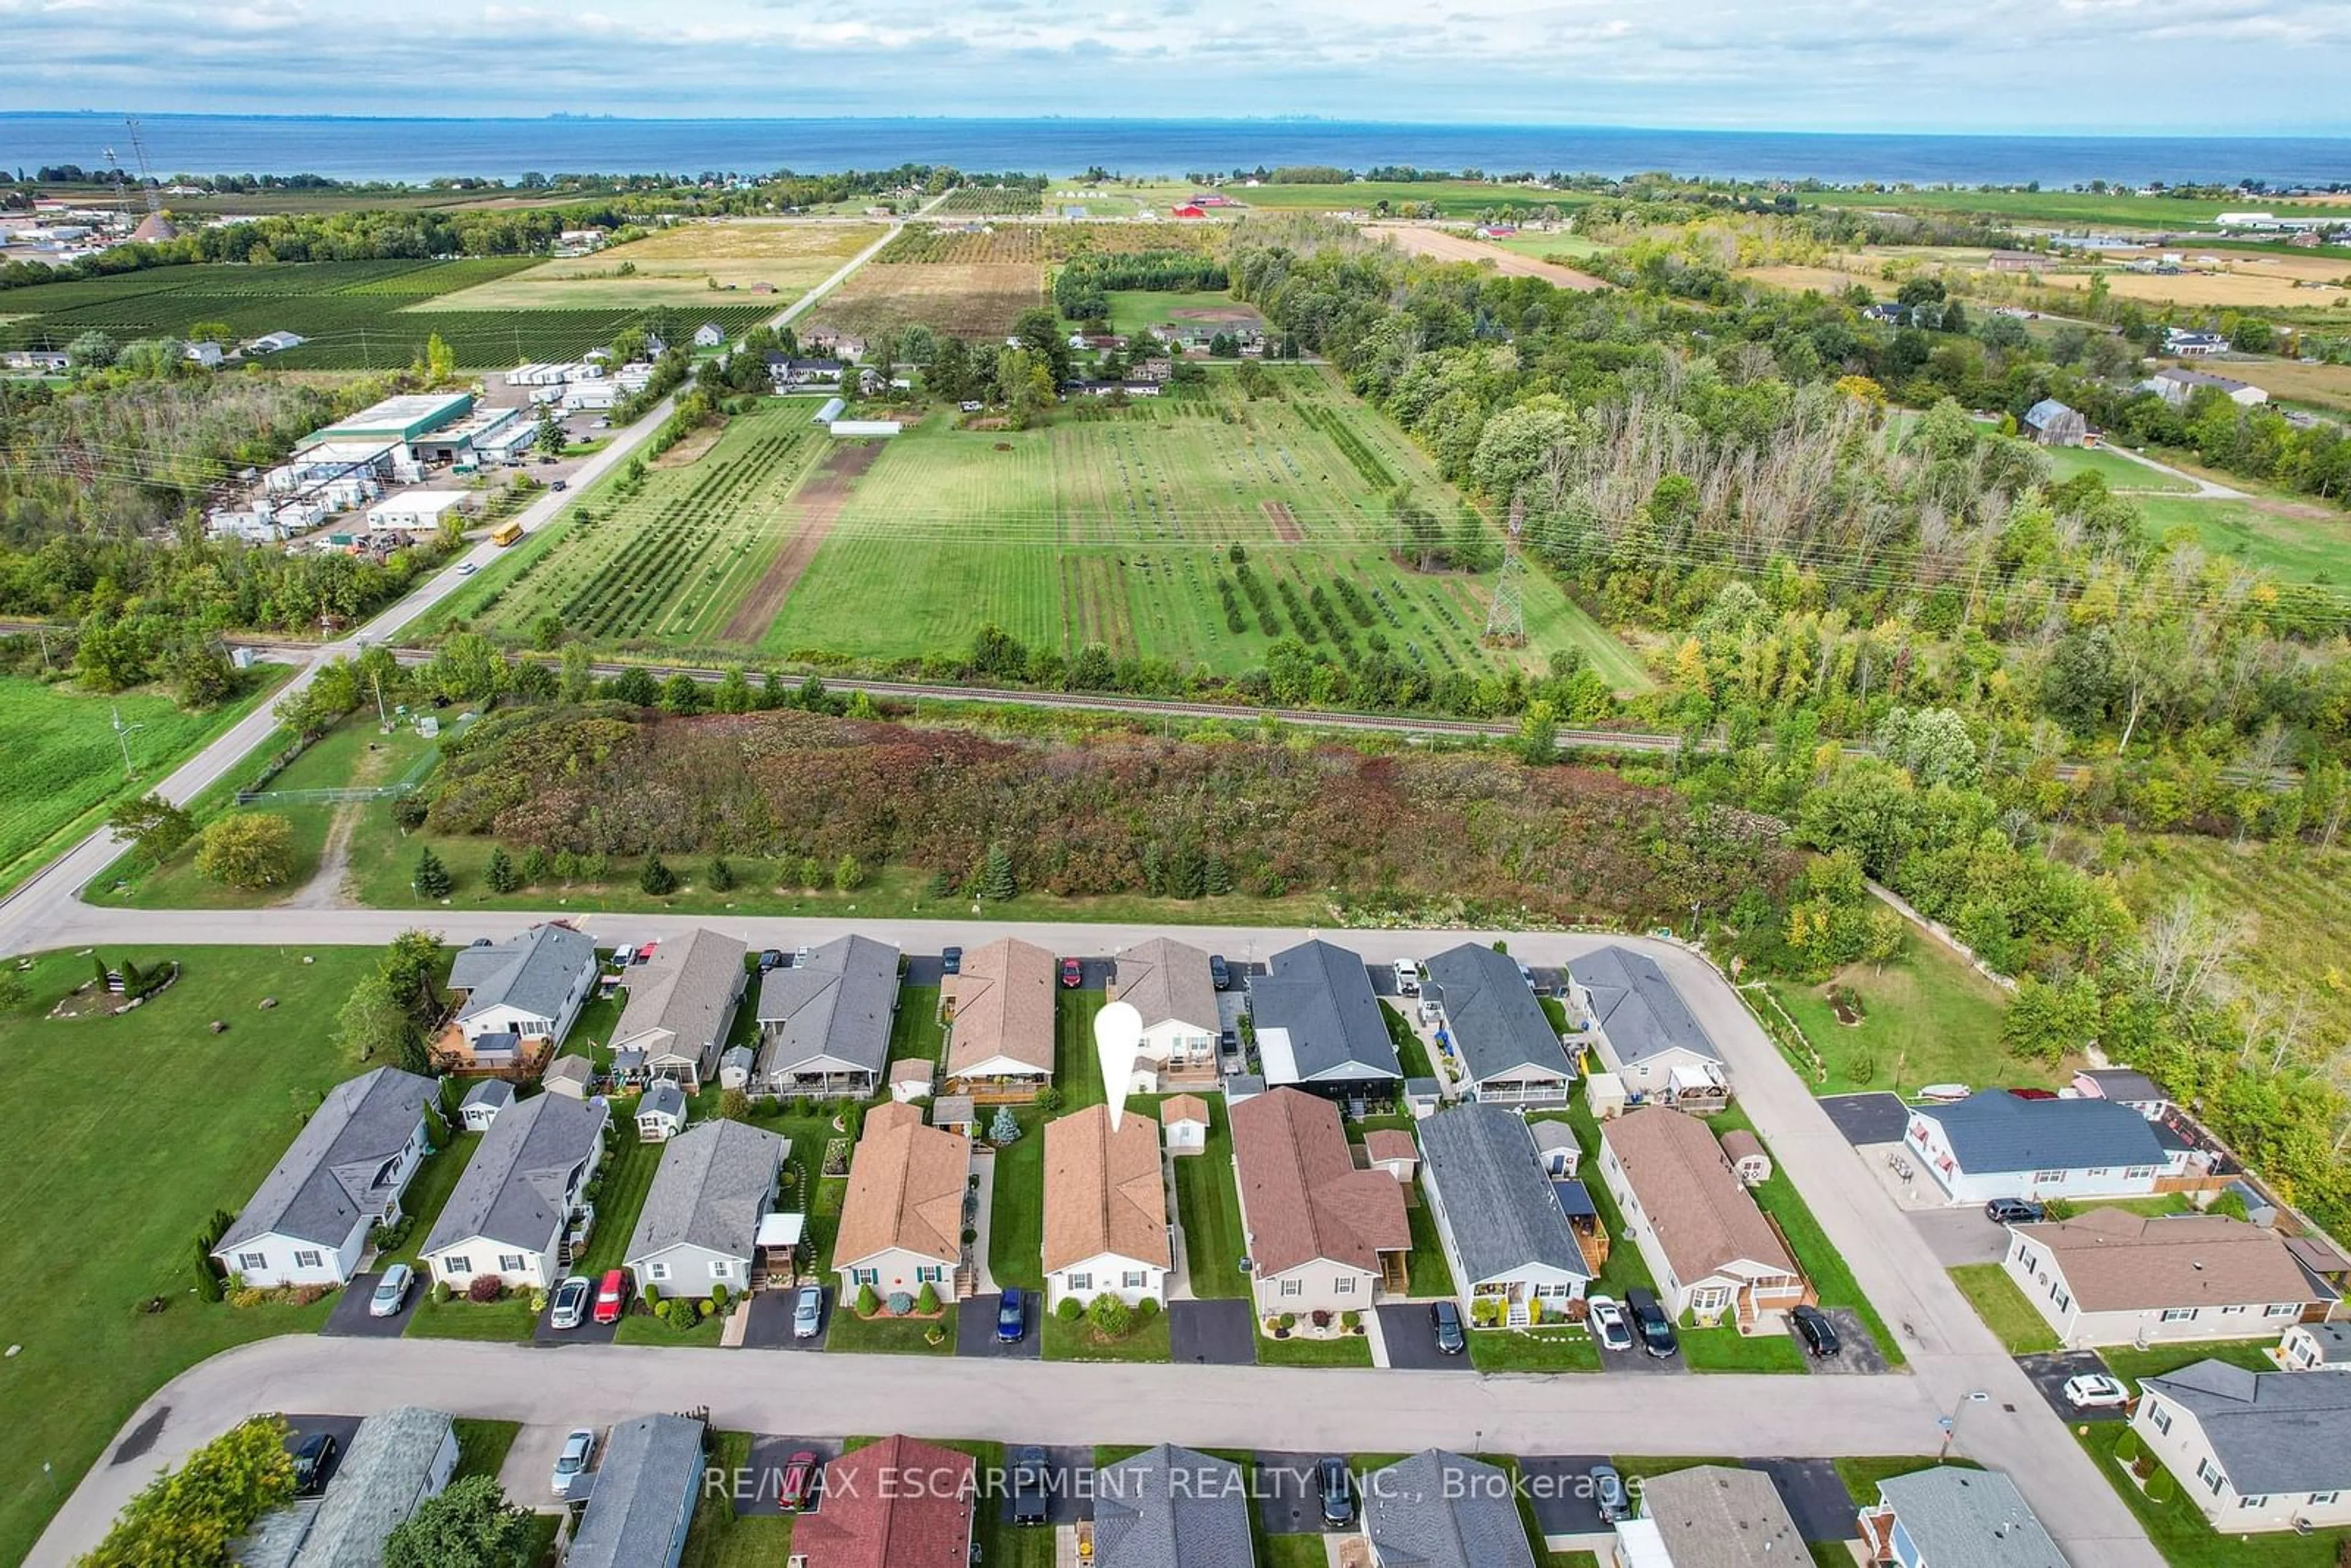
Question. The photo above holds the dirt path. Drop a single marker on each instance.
(325, 888)
(1285, 527)
(1444, 247)
(819, 505)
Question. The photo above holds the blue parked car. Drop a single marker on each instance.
(1012, 1317)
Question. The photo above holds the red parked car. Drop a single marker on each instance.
(1073, 974)
(613, 1296)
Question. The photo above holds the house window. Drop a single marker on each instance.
(2231, 1311)
(1081, 1282)
(512, 1262)
(1293, 1287)
(2179, 1314)
(2047, 1178)
(1133, 1280)
(865, 1276)
(1345, 1287)
(929, 1273)
(2097, 1170)
(2253, 1503)
(722, 1268)
(306, 1258)
(657, 1272)
(2323, 1499)
(2210, 1474)
(460, 1264)
(2281, 1310)
(2138, 1173)
(2158, 1417)
(252, 1262)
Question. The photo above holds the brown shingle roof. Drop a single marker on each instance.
(1301, 1196)
(1103, 1193)
(1389, 1144)
(2118, 1261)
(897, 1503)
(1738, 1143)
(1003, 1006)
(1184, 1108)
(1703, 1217)
(906, 1184)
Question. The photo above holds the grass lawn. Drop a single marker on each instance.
(1209, 1210)
(1016, 1215)
(882, 1335)
(1823, 1264)
(2180, 1532)
(1862, 1475)
(1626, 1267)
(213, 1115)
(429, 1190)
(506, 1322)
(643, 1328)
(914, 1033)
(1294, 1551)
(1430, 1274)
(1533, 1349)
(481, 1445)
(2003, 1308)
(1926, 1019)
(2119, 471)
(65, 761)
(2133, 1366)
(1077, 1065)
(623, 1181)
(1147, 1341)
(1726, 1349)
(716, 1538)
(1412, 1055)
(1345, 1350)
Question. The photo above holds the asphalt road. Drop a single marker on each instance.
(1951, 1353)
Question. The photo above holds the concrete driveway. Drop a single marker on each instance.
(1878, 1118)
(1287, 1500)
(529, 1467)
(1211, 1333)
(1962, 1235)
(1411, 1339)
(755, 1493)
(2048, 1373)
(347, 1319)
(976, 1331)
(1559, 1487)
(1815, 1495)
(768, 1325)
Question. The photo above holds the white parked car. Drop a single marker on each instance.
(1408, 974)
(1609, 1325)
(579, 1448)
(391, 1292)
(2095, 1391)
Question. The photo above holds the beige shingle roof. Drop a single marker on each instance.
(1002, 1005)
(1703, 1218)
(906, 1184)
(2115, 1260)
(1165, 980)
(1301, 1192)
(1183, 1108)
(1103, 1192)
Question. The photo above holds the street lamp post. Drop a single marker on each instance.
(1950, 1423)
(122, 733)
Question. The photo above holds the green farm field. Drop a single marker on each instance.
(357, 315)
(2295, 541)
(1133, 310)
(2076, 207)
(1554, 248)
(1453, 198)
(2119, 472)
(65, 768)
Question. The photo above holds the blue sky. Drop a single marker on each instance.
(2192, 66)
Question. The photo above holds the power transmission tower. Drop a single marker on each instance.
(1506, 619)
(146, 175)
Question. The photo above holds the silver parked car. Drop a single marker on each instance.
(807, 1312)
(570, 1304)
(579, 1448)
(391, 1292)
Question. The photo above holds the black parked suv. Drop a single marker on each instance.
(1819, 1334)
(1337, 1491)
(1649, 1320)
(2013, 1211)
(1028, 1486)
(1220, 974)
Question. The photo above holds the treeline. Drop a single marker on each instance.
(1081, 287)
(1273, 818)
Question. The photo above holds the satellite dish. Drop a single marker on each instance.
(1118, 1035)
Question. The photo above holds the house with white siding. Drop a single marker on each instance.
(1996, 1145)
(1168, 984)
(2254, 1451)
(343, 1175)
(700, 1224)
(2112, 1276)
(510, 1213)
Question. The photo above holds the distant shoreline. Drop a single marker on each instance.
(417, 150)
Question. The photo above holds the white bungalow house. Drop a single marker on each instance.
(1323, 1235)
(1106, 1231)
(519, 997)
(1509, 1053)
(2112, 1276)
(825, 1020)
(1168, 983)
(902, 1220)
(510, 1214)
(709, 335)
(2252, 1451)
(307, 1223)
(1710, 1249)
(1512, 1251)
(700, 1224)
(1996, 1145)
(680, 1005)
(1646, 1038)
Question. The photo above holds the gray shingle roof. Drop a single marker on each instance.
(1969, 1519)
(532, 971)
(492, 1092)
(2045, 413)
(838, 1004)
(1143, 1519)
(1438, 1510)
(648, 1481)
(662, 1099)
(380, 1482)
(1321, 996)
(1637, 1007)
(1497, 1201)
(1495, 1020)
(2333, 1341)
(687, 992)
(1713, 1516)
(1165, 981)
(714, 1183)
(2272, 1431)
(1992, 1130)
(2123, 1083)
(321, 1185)
(513, 1191)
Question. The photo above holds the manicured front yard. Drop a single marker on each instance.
(1862, 1475)
(2155, 1360)
(1533, 1349)
(1210, 1211)
(1016, 1216)
(481, 1445)
(1299, 1350)
(507, 1322)
(884, 1335)
(2180, 1532)
(1727, 1350)
(1077, 1065)
(2004, 1309)
(1147, 1341)
(643, 1328)
(716, 1538)
(212, 1114)
(1823, 1264)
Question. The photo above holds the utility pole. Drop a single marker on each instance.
(122, 733)
(1506, 617)
(382, 718)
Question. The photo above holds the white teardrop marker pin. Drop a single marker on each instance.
(1118, 1038)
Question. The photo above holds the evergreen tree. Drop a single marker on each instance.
(721, 876)
(1004, 1128)
(501, 873)
(996, 882)
(657, 879)
(431, 879)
